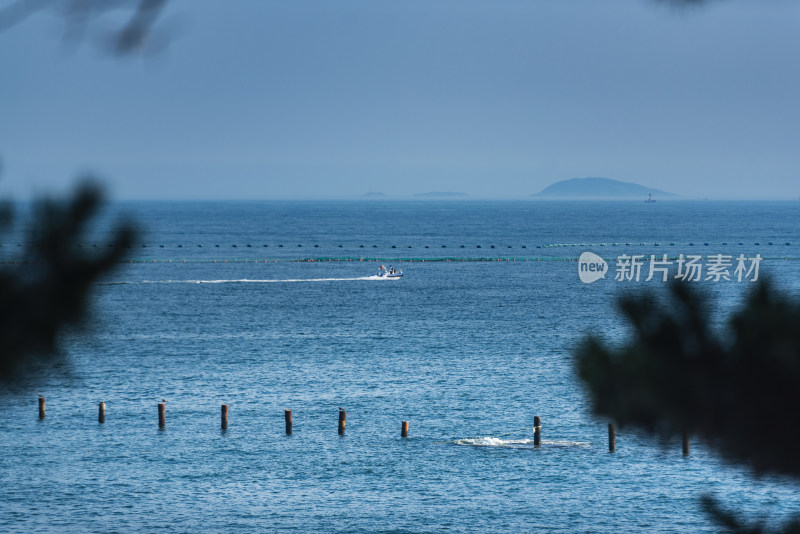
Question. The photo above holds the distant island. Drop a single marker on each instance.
(441, 194)
(600, 188)
(375, 194)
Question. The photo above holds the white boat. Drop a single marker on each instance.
(391, 272)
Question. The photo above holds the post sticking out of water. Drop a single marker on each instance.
(287, 415)
(685, 439)
(342, 418)
(612, 438)
(101, 413)
(224, 418)
(404, 429)
(162, 418)
(41, 407)
(537, 431)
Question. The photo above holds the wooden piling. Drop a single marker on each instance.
(342, 418)
(612, 438)
(224, 418)
(287, 415)
(404, 429)
(537, 431)
(41, 407)
(685, 440)
(162, 419)
(101, 413)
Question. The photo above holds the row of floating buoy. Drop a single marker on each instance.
(657, 244)
(464, 259)
(250, 245)
(550, 245)
(340, 259)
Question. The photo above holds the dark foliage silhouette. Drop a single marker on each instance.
(140, 31)
(734, 389)
(46, 287)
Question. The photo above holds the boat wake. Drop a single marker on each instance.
(249, 281)
(517, 443)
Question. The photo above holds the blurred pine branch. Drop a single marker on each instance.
(736, 390)
(47, 288)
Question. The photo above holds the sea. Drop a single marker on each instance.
(267, 306)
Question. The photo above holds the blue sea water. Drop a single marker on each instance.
(222, 305)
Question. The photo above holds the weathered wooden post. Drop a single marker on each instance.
(101, 413)
(342, 418)
(537, 431)
(224, 419)
(404, 429)
(162, 419)
(287, 415)
(612, 438)
(41, 407)
(685, 439)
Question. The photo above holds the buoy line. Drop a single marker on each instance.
(372, 260)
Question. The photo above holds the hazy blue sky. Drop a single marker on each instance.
(272, 99)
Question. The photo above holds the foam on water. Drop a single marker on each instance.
(517, 443)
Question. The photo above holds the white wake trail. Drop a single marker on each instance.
(249, 281)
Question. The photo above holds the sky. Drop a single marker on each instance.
(260, 99)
